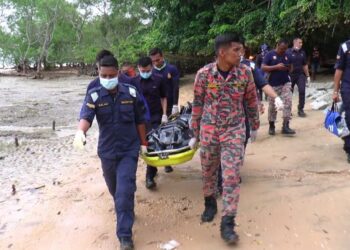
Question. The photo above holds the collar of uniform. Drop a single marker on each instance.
(215, 71)
(121, 89)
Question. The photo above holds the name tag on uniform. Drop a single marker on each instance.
(169, 76)
(212, 85)
(103, 104)
(127, 102)
(239, 84)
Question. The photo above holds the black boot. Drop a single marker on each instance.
(228, 233)
(150, 183)
(168, 169)
(348, 157)
(301, 113)
(210, 209)
(286, 130)
(272, 128)
(126, 243)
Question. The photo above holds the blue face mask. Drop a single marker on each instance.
(109, 84)
(145, 75)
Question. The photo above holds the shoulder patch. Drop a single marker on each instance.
(132, 91)
(94, 96)
(344, 47)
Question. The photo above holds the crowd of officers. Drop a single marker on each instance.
(225, 113)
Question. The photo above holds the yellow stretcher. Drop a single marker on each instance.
(169, 157)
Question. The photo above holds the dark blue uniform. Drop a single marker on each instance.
(260, 82)
(171, 76)
(298, 60)
(277, 77)
(122, 78)
(118, 145)
(153, 89)
(343, 63)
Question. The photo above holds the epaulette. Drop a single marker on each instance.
(95, 89)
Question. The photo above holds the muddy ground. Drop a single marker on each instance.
(295, 191)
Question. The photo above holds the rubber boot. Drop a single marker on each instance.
(228, 233)
(272, 128)
(126, 243)
(286, 130)
(301, 113)
(210, 209)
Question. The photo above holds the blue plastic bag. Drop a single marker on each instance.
(335, 123)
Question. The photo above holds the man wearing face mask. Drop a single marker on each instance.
(119, 111)
(171, 77)
(155, 92)
(96, 82)
(300, 72)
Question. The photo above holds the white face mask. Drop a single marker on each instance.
(159, 69)
(109, 84)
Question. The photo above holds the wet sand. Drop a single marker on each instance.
(295, 192)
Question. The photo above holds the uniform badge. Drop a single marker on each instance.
(344, 47)
(212, 85)
(274, 57)
(338, 57)
(286, 58)
(169, 76)
(90, 105)
(127, 102)
(94, 96)
(132, 92)
(103, 104)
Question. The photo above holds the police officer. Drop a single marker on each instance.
(171, 77)
(277, 64)
(155, 92)
(261, 85)
(300, 72)
(342, 84)
(218, 120)
(120, 116)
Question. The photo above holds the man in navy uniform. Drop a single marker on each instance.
(120, 116)
(155, 92)
(277, 64)
(300, 72)
(171, 76)
(342, 83)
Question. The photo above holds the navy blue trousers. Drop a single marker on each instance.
(120, 177)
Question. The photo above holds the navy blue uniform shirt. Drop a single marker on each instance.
(277, 77)
(117, 117)
(258, 76)
(343, 63)
(171, 77)
(298, 60)
(153, 89)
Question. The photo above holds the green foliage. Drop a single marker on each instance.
(58, 31)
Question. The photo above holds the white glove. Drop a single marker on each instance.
(164, 119)
(143, 149)
(175, 110)
(308, 81)
(253, 135)
(192, 143)
(279, 103)
(79, 140)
